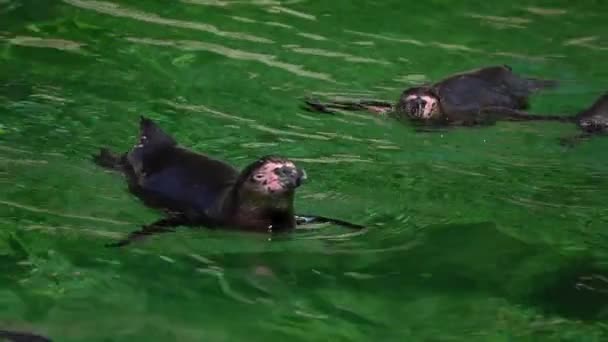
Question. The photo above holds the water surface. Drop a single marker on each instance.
(471, 232)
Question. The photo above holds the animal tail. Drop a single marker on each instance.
(106, 159)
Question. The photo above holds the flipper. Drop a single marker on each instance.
(152, 140)
(302, 220)
(372, 106)
(165, 225)
(313, 105)
(153, 137)
(14, 336)
(107, 159)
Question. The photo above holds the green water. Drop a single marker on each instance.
(471, 232)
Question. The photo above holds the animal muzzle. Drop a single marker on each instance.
(291, 177)
(593, 124)
(415, 107)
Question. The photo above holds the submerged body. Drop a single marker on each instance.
(475, 97)
(194, 189)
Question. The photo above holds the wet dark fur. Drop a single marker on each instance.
(478, 97)
(195, 190)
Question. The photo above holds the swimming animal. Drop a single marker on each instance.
(196, 190)
(477, 97)
(592, 121)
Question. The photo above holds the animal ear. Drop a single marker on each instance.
(150, 135)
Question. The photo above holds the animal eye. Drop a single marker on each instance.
(259, 176)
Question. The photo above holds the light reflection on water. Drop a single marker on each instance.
(489, 224)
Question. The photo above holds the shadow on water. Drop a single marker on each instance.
(482, 258)
(463, 260)
(453, 260)
(286, 281)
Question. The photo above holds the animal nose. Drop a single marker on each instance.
(302, 176)
(291, 176)
(420, 102)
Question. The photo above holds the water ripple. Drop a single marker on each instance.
(220, 3)
(217, 3)
(522, 56)
(530, 203)
(501, 22)
(285, 10)
(332, 160)
(218, 272)
(412, 79)
(89, 231)
(252, 124)
(22, 161)
(66, 215)
(198, 108)
(453, 47)
(269, 60)
(244, 20)
(311, 36)
(280, 132)
(277, 24)
(545, 11)
(59, 44)
(381, 37)
(117, 11)
(586, 42)
(333, 54)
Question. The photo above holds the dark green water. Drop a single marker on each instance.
(475, 235)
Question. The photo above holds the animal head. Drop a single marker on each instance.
(595, 118)
(418, 103)
(271, 177)
(594, 124)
